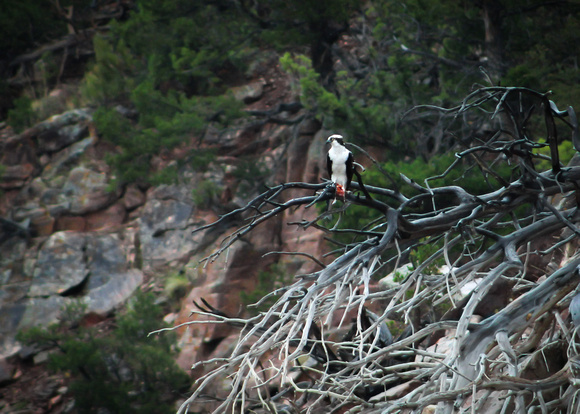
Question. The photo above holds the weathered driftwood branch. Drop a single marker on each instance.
(486, 238)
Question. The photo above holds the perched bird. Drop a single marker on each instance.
(340, 165)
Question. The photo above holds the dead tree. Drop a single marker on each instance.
(519, 238)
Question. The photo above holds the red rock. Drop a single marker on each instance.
(220, 284)
(43, 225)
(15, 176)
(112, 216)
(18, 150)
(133, 197)
(91, 319)
(74, 223)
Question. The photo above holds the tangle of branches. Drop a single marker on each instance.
(494, 284)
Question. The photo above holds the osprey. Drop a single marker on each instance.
(339, 164)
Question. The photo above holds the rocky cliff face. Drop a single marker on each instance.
(67, 237)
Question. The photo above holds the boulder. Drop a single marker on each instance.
(66, 157)
(26, 314)
(42, 311)
(33, 281)
(12, 250)
(13, 292)
(105, 257)
(14, 283)
(87, 190)
(250, 92)
(163, 215)
(163, 231)
(55, 139)
(60, 265)
(106, 297)
(74, 116)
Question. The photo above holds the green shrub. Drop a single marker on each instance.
(165, 121)
(111, 77)
(566, 151)
(363, 109)
(168, 175)
(176, 287)
(423, 252)
(21, 116)
(205, 192)
(126, 371)
(202, 158)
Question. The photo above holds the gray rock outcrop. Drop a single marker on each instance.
(48, 259)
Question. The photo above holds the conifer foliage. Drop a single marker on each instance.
(119, 371)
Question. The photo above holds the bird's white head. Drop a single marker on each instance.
(335, 138)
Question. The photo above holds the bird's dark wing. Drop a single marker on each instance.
(349, 169)
(208, 308)
(329, 166)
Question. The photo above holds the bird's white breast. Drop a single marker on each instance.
(338, 154)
